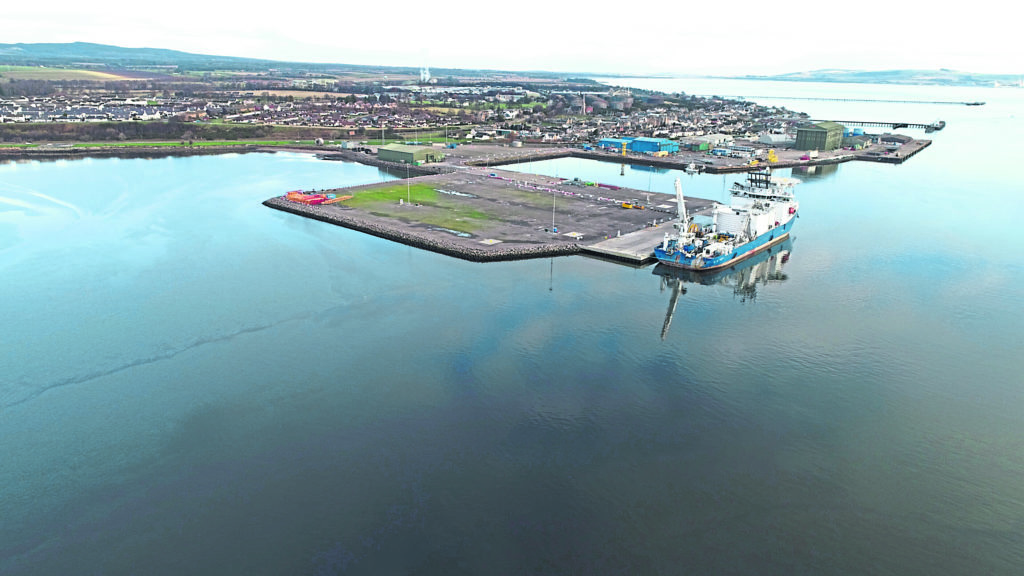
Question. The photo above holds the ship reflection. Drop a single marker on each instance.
(743, 278)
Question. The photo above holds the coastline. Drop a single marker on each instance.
(68, 153)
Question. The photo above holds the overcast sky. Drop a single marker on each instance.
(725, 37)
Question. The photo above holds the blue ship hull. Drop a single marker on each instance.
(769, 238)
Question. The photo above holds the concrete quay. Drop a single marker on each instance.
(505, 216)
(495, 156)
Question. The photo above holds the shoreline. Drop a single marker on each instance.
(527, 154)
(67, 153)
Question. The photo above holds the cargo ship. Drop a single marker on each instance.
(760, 214)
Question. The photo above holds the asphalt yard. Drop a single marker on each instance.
(492, 209)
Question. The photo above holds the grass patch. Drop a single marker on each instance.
(41, 73)
(420, 193)
(195, 143)
(435, 210)
(18, 145)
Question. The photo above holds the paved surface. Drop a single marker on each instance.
(638, 247)
(519, 208)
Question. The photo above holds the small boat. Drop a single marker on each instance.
(761, 214)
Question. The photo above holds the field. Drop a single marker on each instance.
(197, 143)
(41, 73)
(300, 94)
(427, 207)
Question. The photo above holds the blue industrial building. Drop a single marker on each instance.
(653, 145)
(614, 143)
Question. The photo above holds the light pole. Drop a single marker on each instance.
(408, 185)
(553, 229)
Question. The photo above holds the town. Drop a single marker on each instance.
(530, 110)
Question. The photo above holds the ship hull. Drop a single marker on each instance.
(739, 254)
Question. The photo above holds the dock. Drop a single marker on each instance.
(494, 215)
(633, 248)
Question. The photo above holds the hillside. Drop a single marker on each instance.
(942, 77)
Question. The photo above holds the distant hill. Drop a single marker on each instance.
(89, 53)
(86, 53)
(942, 77)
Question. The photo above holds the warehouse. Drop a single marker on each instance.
(696, 146)
(654, 146)
(614, 143)
(777, 140)
(409, 154)
(820, 136)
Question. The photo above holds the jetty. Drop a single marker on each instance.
(951, 102)
(892, 125)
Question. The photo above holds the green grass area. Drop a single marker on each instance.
(40, 73)
(420, 193)
(18, 145)
(436, 210)
(195, 143)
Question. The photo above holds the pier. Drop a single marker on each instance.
(486, 215)
(893, 125)
(952, 102)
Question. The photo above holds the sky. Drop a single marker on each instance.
(735, 37)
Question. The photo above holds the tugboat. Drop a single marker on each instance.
(761, 214)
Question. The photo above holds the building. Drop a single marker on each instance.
(616, 144)
(857, 142)
(894, 139)
(654, 146)
(405, 154)
(820, 136)
(777, 140)
(714, 139)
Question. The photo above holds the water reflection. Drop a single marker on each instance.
(653, 169)
(821, 171)
(743, 278)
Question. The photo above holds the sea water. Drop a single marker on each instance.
(193, 383)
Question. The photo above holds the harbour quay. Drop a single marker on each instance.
(485, 214)
(895, 151)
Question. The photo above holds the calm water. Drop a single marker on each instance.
(193, 383)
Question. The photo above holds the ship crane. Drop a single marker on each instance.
(683, 218)
(677, 290)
